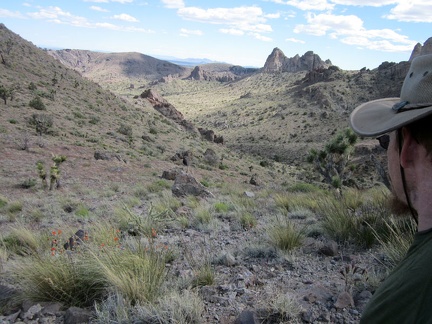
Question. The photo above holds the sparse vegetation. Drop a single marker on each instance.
(147, 256)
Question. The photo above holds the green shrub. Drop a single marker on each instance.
(28, 183)
(125, 130)
(37, 103)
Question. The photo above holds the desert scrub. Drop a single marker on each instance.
(69, 279)
(354, 217)
(202, 215)
(185, 307)
(246, 219)
(92, 270)
(21, 241)
(284, 234)
(137, 274)
(158, 186)
(3, 201)
(204, 275)
(221, 207)
(397, 240)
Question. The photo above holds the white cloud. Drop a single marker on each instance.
(241, 18)
(232, 31)
(261, 37)
(96, 8)
(58, 16)
(350, 30)
(97, 1)
(10, 14)
(307, 4)
(295, 40)
(173, 4)
(365, 3)
(187, 32)
(125, 17)
(107, 1)
(412, 11)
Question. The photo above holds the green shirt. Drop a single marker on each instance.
(406, 295)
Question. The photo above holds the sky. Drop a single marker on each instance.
(351, 33)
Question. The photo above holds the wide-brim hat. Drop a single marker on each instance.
(381, 116)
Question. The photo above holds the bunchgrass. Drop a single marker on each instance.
(221, 207)
(355, 217)
(21, 241)
(137, 275)
(185, 307)
(397, 240)
(285, 234)
(100, 265)
(204, 275)
(247, 220)
(69, 279)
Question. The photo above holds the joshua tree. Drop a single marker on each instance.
(332, 161)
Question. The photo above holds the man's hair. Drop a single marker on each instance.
(422, 132)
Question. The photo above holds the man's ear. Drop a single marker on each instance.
(409, 150)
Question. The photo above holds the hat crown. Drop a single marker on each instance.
(417, 86)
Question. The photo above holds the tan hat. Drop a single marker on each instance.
(384, 115)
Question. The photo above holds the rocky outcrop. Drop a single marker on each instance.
(424, 49)
(278, 62)
(167, 109)
(187, 185)
(227, 74)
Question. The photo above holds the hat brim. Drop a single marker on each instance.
(377, 117)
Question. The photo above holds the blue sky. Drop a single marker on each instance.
(351, 33)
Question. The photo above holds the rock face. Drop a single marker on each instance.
(424, 49)
(278, 62)
(167, 109)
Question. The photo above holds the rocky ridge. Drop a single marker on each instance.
(278, 62)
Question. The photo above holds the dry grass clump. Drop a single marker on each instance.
(396, 241)
(356, 217)
(185, 307)
(285, 234)
(100, 263)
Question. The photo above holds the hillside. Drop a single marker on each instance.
(147, 193)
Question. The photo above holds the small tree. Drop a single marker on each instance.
(6, 93)
(331, 162)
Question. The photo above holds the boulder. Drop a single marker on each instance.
(187, 185)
